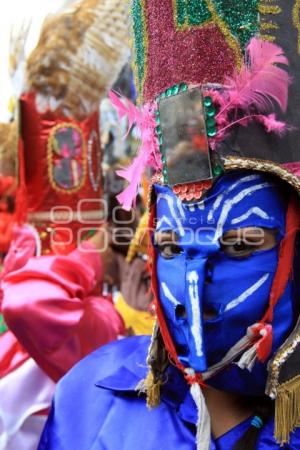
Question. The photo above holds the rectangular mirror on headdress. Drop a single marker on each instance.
(184, 144)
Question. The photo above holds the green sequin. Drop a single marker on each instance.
(210, 122)
(211, 132)
(211, 112)
(183, 87)
(175, 89)
(3, 326)
(207, 101)
(139, 30)
(217, 170)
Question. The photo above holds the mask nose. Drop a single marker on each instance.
(196, 274)
(195, 279)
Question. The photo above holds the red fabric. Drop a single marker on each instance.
(160, 316)
(7, 185)
(286, 257)
(7, 221)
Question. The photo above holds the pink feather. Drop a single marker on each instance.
(261, 80)
(118, 104)
(271, 124)
(294, 168)
(148, 153)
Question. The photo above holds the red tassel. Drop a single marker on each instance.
(264, 333)
(196, 378)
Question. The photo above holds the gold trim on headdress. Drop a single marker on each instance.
(232, 163)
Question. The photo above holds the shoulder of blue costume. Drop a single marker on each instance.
(96, 406)
(108, 363)
(80, 405)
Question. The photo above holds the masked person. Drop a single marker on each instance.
(223, 369)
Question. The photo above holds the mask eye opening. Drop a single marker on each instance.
(166, 244)
(180, 312)
(244, 242)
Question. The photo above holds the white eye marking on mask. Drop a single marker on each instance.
(214, 208)
(220, 197)
(163, 220)
(180, 208)
(228, 205)
(168, 294)
(243, 180)
(196, 327)
(170, 202)
(241, 298)
(256, 211)
(191, 207)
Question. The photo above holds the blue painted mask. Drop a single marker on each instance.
(210, 292)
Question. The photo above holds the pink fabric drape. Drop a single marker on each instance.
(48, 304)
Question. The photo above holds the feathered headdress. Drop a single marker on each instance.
(79, 54)
(249, 95)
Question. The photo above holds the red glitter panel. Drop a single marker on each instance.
(195, 55)
(36, 129)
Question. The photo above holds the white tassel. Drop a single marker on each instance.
(203, 437)
(248, 359)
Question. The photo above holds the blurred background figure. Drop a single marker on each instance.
(134, 300)
(54, 310)
(8, 184)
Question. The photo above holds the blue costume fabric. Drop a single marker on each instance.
(96, 407)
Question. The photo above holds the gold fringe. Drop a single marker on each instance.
(157, 361)
(152, 390)
(287, 409)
